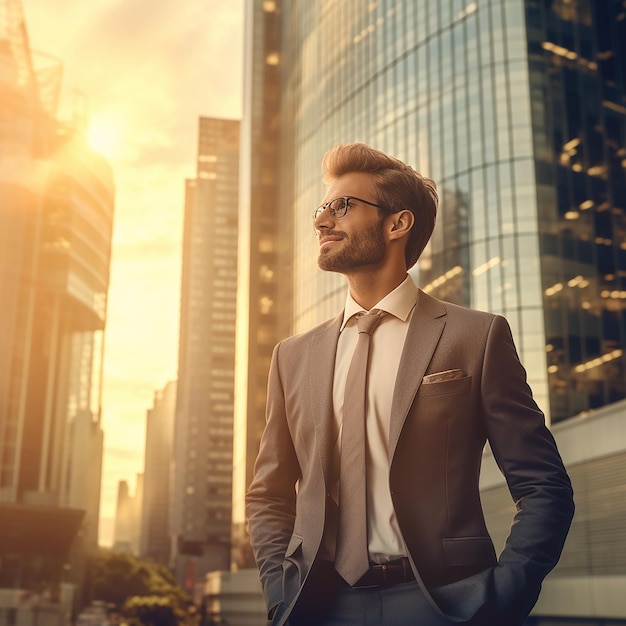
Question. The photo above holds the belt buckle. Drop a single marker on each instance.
(385, 570)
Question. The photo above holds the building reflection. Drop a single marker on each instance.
(264, 261)
(580, 167)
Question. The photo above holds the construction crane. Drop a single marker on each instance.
(39, 84)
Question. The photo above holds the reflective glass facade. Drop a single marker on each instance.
(264, 253)
(577, 71)
(489, 98)
(517, 109)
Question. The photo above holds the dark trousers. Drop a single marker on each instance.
(396, 605)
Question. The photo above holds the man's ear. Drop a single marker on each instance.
(400, 224)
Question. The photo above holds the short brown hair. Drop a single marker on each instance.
(398, 187)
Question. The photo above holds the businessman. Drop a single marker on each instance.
(365, 508)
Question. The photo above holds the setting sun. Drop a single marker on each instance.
(104, 136)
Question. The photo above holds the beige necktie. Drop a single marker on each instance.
(351, 556)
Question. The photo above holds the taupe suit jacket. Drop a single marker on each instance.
(436, 440)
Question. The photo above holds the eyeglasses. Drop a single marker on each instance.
(338, 207)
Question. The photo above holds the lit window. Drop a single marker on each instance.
(265, 305)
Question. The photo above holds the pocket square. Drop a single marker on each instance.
(439, 377)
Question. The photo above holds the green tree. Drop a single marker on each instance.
(145, 593)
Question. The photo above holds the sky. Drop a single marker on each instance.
(147, 71)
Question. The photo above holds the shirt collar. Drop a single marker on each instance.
(399, 302)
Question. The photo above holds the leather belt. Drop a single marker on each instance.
(392, 573)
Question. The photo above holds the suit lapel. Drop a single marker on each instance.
(423, 335)
(321, 370)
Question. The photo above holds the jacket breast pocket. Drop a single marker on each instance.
(446, 387)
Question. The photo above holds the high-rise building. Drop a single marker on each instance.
(203, 448)
(127, 533)
(265, 236)
(56, 216)
(55, 266)
(155, 506)
(517, 108)
(84, 471)
(123, 517)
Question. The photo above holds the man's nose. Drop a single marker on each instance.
(323, 220)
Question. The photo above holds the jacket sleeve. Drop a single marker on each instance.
(271, 497)
(526, 453)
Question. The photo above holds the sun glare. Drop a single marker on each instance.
(104, 136)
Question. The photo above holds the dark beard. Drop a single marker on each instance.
(366, 248)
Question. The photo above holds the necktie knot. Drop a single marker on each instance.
(367, 322)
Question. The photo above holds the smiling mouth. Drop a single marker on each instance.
(326, 240)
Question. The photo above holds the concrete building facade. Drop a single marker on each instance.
(157, 485)
(127, 528)
(203, 441)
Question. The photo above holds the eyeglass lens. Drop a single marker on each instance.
(337, 208)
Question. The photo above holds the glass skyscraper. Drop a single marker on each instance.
(517, 109)
(264, 252)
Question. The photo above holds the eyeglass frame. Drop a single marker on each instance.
(320, 209)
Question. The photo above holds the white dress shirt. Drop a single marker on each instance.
(384, 537)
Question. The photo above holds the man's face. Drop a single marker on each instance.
(356, 240)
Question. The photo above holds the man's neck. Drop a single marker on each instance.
(367, 288)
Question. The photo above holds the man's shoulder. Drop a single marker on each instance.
(300, 339)
(460, 312)
(464, 311)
